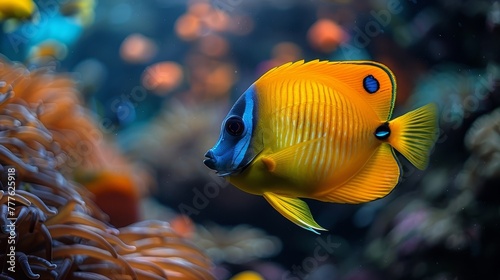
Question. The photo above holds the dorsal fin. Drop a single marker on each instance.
(370, 81)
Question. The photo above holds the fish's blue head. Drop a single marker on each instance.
(234, 150)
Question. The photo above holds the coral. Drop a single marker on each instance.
(483, 140)
(82, 151)
(189, 131)
(238, 245)
(59, 232)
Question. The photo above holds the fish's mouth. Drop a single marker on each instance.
(211, 163)
(210, 160)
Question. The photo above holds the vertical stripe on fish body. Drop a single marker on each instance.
(337, 128)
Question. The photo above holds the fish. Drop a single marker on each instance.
(82, 10)
(247, 275)
(18, 9)
(320, 130)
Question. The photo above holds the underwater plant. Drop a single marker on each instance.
(237, 245)
(53, 96)
(50, 226)
(483, 140)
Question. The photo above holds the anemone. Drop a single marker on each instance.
(60, 233)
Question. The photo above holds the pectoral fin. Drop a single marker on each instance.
(281, 161)
(293, 209)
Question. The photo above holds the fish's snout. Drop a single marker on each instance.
(210, 160)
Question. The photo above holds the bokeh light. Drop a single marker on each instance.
(325, 35)
(188, 27)
(162, 77)
(137, 48)
(214, 45)
(286, 52)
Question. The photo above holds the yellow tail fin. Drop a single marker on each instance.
(414, 133)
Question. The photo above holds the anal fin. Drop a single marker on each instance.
(293, 209)
(375, 180)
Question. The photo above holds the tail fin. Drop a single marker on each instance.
(414, 134)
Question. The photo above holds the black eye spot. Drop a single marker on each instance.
(235, 126)
(383, 131)
(371, 84)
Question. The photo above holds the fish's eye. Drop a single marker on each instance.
(235, 126)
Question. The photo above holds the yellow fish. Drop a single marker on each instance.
(17, 9)
(247, 275)
(320, 130)
(83, 10)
